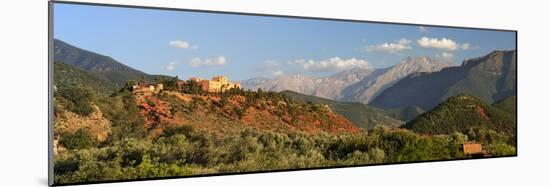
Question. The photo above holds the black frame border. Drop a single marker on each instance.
(51, 81)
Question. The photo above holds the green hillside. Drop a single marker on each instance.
(67, 76)
(462, 113)
(99, 65)
(360, 114)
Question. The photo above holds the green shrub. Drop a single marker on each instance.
(150, 103)
(125, 117)
(78, 140)
(80, 99)
(65, 165)
(501, 149)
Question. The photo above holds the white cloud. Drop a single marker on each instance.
(181, 44)
(446, 55)
(196, 62)
(329, 65)
(389, 47)
(277, 72)
(441, 44)
(171, 66)
(272, 67)
(465, 46)
(271, 64)
(423, 29)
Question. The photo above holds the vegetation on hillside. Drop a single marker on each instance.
(67, 76)
(508, 104)
(76, 99)
(467, 114)
(188, 150)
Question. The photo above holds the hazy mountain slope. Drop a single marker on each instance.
(360, 114)
(327, 87)
(490, 78)
(103, 66)
(368, 88)
(357, 84)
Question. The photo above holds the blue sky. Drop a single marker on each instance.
(242, 47)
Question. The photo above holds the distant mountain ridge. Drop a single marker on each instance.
(100, 65)
(327, 87)
(491, 78)
(368, 88)
(357, 84)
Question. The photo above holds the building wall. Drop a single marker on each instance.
(210, 86)
(205, 85)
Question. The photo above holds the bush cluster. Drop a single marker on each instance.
(186, 150)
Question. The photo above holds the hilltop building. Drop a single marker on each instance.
(217, 84)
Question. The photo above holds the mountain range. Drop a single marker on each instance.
(326, 87)
(490, 78)
(369, 87)
(357, 84)
(367, 97)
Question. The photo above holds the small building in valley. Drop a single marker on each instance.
(473, 149)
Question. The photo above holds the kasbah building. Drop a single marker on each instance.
(217, 84)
